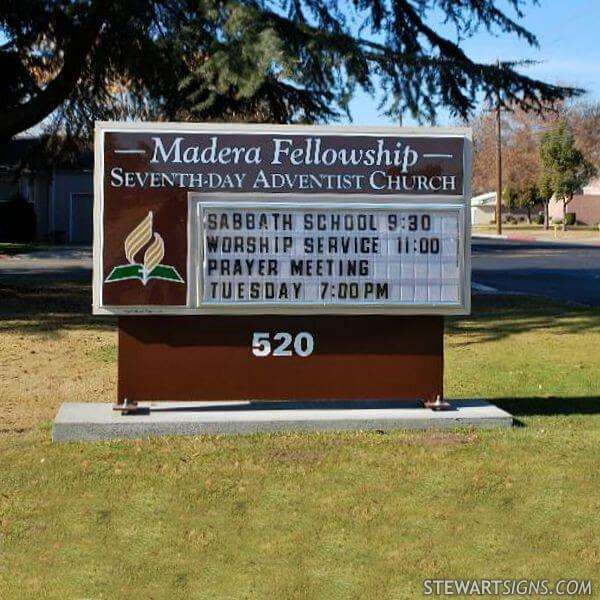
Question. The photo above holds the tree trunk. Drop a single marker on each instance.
(565, 202)
(547, 214)
(529, 213)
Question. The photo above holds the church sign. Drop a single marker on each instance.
(269, 242)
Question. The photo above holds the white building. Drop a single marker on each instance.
(61, 195)
(483, 209)
(586, 206)
(592, 188)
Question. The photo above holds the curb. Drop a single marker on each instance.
(488, 236)
(533, 239)
(522, 238)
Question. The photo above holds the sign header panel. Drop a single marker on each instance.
(218, 219)
(284, 162)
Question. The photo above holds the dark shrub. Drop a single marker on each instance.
(570, 218)
(17, 221)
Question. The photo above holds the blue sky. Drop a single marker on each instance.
(568, 32)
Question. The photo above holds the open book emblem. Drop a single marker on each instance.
(150, 267)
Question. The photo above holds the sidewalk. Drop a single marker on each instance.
(57, 253)
(544, 237)
(68, 263)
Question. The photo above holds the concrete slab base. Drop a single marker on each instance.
(78, 421)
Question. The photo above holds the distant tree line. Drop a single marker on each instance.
(545, 155)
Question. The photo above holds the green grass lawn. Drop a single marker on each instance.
(325, 516)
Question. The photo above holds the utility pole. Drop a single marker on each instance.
(498, 158)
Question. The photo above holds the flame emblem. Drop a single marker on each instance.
(151, 267)
(138, 238)
(153, 255)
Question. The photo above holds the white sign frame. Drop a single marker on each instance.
(195, 258)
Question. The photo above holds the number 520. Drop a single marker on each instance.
(284, 344)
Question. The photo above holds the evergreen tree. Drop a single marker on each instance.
(546, 192)
(521, 197)
(257, 60)
(564, 168)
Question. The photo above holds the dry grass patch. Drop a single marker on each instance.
(52, 350)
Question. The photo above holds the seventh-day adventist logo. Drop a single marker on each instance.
(150, 268)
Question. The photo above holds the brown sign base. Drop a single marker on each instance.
(199, 358)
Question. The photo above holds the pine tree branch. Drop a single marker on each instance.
(449, 68)
(486, 13)
(31, 112)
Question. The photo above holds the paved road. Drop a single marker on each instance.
(64, 264)
(561, 271)
(555, 270)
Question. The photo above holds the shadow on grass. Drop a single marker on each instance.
(12, 248)
(49, 308)
(498, 317)
(548, 407)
